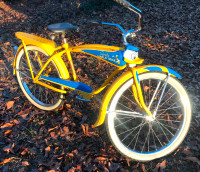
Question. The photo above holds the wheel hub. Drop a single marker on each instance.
(150, 118)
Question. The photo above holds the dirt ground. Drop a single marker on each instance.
(34, 140)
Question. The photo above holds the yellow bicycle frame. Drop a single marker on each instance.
(55, 55)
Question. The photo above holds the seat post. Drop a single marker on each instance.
(64, 40)
(63, 37)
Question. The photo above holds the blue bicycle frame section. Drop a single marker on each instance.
(114, 57)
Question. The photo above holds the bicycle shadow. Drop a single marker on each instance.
(22, 16)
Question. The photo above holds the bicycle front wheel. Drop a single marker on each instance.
(40, 96)
(139, 138)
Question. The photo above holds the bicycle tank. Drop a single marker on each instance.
(110, 54)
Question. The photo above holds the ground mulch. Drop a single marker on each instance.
(35, 140)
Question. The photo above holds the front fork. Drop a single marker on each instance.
(137, 92)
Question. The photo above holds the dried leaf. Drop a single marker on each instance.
(163, 165)
(78, 70)
(128, 161)
(25, 163)
(86, 130)
(193, 159)
(9, 148)
(72, 169)
(9, 104)
(105, 169)
(6, 125)
(160, 166)
(53, 135)
(48, 148)
(78, 168)
(25, 151)
(83, 127)
(24, 116)
(16, 121)
(97, 159)
(6, 160)
(146, 88)
(60, 158)
(68, 105)
(52, 128)
(143, 168)
(65, 130)
(187, 151)
(8, 132)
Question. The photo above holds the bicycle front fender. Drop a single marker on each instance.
(157, 68)
(58, 61)
(109, 93)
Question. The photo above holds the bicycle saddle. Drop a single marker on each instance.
(61, 27)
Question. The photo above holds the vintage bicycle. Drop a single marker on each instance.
(147, 110)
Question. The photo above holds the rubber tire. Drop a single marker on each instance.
(186, 122)
(46, 108)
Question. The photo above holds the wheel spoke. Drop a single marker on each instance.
(133, 129)
(167, 99)
(165, 126)
(169, 108)
(146, 140)
(163, 131)
(168, 120)
(154, 95)
(138, 134)
(126, 107)
(169, 114)
(130, 100)
(153, 136)
(156, 136)
(141, 135)
(39, 94)
(123, 122)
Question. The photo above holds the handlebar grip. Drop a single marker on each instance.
(124, 3)
(94, 23)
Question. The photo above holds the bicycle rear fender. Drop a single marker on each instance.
(109, 93)
(47, 45)
(58, 61)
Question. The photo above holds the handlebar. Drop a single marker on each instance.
(125, 34)
(128, 5)
(91, 22)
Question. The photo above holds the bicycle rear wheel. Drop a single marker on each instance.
(139, 138)
(40, 96)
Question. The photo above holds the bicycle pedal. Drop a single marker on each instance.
(80, 98)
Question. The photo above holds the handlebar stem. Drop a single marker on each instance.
(129, 32)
